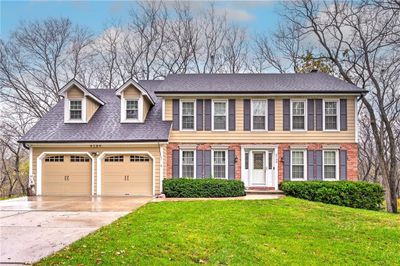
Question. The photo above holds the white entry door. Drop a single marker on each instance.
(258, 167)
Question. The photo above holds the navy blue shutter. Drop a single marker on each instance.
(199, 164)
(232, 114)
(207, 164)
(343, 114)
(318, 115)
(343, 164)
(231, 164)
(175, 163)
(310, 165)
(286, 114)
(246, 115)
(199, 115)
(175, 114)
(286, 165)
(207, 114)
(271, 114)
(318, 165)
(310, 115)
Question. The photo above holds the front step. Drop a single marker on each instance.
(263, 192)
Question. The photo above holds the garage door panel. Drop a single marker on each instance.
(66, 177)
(127, 177)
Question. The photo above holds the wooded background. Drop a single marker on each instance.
(358, 42)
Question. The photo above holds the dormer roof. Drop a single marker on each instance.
(86, 92)
(136, 84)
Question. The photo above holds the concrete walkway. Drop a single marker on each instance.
(35, 227)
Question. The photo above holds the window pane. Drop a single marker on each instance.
(330, 108)
(219, 171)
(331, 122)
(219, 122)
(330, 172)
(75, 114)
(297, 171)
(131, 105)
(187, 122)
(188, 171)
(76, 105)
(131, 114)
(219, 108)
(219, 157)
(258, 108)
(298, 108)
(246, 160)
(258, 122)
(298, 122)
(330, 157)
(187, 163)
(298, 157)
(188, 108)
(258, 161)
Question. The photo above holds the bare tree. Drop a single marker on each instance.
(362, 41)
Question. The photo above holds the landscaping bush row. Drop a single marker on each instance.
(344, 193)
(202, 188)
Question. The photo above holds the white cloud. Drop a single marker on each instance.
(235, 14)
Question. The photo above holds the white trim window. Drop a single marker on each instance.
(132, 109)
(331, 165)
(188, 164)
(298, 165)
(219, 115)
(298, 111)
(331, 115)
(75, 110)
(188, 115)
(259, 115)
(220, 164)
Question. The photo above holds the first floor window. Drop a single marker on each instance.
(259, 109)
(75, 109)
(188, 164)
(220, 114)
(132, 109)
(331, 115)
(298, 162)
(298, 115)
(330, 165)
(219, 164)
(188, 115)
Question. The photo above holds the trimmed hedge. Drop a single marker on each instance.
(360, 195)
(202, 188)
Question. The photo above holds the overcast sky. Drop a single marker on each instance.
(258, 16)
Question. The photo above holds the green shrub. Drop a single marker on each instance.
(202, 188)
(344, 193)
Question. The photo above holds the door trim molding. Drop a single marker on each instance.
(101, 156)
(39, 168)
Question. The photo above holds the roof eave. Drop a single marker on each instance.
(137, 85)
(82, 88)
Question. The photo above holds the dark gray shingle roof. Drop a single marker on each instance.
(104, 126)
(255, 83)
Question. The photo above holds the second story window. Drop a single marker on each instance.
(220, 115)
(188, 115)
(75, 109)
(331, 115)
(132, 109)
(259, 114)
(298, 113)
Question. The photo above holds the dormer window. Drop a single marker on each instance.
(75, 110)
(132, 109)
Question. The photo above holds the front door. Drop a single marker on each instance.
(258, 164)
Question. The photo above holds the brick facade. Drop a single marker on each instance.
(352, 155)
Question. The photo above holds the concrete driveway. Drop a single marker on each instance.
(35, 227)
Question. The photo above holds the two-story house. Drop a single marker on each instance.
(262, 129)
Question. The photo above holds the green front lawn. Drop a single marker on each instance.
(284, 231)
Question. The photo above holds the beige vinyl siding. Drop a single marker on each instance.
(75, 93)
(91, 108)
(146, 107)
(153, 149)
(277, 136)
